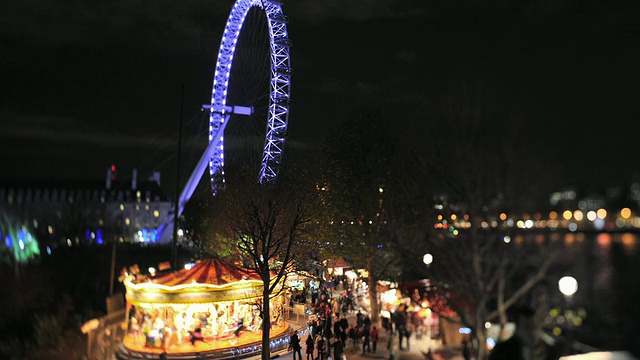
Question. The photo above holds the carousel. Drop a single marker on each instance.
(211, 309)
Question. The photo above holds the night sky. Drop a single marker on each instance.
(88, 84)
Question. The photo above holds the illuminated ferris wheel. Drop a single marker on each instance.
(252, 80)
(279, 88)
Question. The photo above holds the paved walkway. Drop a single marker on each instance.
(418, 346)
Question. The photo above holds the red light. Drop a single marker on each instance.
(113, 168)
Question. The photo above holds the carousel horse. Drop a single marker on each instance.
(196, 335)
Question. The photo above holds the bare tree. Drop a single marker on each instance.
(267, 229)
(480, 167)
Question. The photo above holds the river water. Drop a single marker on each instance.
(607, 269)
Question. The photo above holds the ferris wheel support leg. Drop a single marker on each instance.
(196, 175)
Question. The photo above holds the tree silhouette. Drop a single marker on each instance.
(479, 168)
(370, 200)
(266, 228)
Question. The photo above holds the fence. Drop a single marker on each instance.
(103, 340)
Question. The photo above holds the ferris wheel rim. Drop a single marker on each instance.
(279, 88)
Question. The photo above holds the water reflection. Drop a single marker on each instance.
(604, 240)
(606, 266)
(630, 242)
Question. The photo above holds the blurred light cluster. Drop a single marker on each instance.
(18, 242)
(572, 220)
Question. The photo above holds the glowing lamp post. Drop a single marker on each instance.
(427, 259)
(568, 286)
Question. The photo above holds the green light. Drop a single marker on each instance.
(25, 246)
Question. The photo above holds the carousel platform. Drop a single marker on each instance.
(210, 295)
(245, 346)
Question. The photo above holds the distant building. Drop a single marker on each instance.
(88, 212)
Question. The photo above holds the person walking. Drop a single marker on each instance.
(374, 338)
(390, 344)
(310, 346)
(366, 334)
(344, 326)
(352, 334)
(295, 345)
(338, 348)
(408, 330)
(337, 328)
(322, 348)
(466, 350)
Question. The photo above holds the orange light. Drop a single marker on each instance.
(602, 213)
(625, 213)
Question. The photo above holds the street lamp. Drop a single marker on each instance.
(568, 285)
(427, 259)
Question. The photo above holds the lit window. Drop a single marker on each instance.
(121, 207)
(127, 221)
(156, 213)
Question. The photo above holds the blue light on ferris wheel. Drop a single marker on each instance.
(8, 241)
(99, 238)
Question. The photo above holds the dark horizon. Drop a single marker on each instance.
(88, 87)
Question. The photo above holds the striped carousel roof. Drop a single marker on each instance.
(209, 271)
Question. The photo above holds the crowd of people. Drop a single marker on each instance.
(330, 333)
